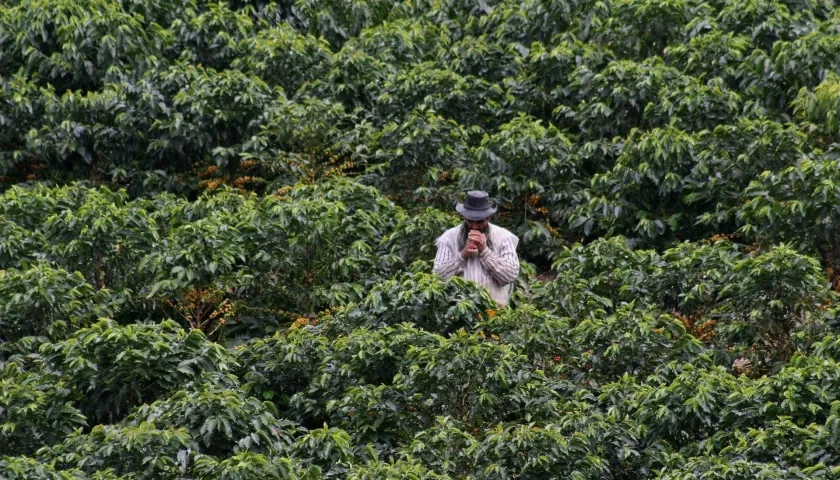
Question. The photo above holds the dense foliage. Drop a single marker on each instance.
(217, 221)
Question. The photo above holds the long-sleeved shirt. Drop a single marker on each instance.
(495, 268)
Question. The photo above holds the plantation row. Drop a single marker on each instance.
(269, 257)
(470, 404)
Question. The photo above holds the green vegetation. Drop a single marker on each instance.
(217, 221)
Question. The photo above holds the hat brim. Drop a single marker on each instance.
(474, 215)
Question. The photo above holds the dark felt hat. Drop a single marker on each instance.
(476, 206)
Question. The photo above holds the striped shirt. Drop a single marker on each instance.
(495, 269)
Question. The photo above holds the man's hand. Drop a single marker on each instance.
(478, 239)
(469, 250)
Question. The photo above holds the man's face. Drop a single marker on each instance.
(478, 225)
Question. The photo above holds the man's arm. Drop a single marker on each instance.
(448, 262)
(503, 264)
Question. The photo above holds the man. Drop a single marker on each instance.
(478, 250)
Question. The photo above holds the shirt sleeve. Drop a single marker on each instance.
(448, 262)
(503, 263)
